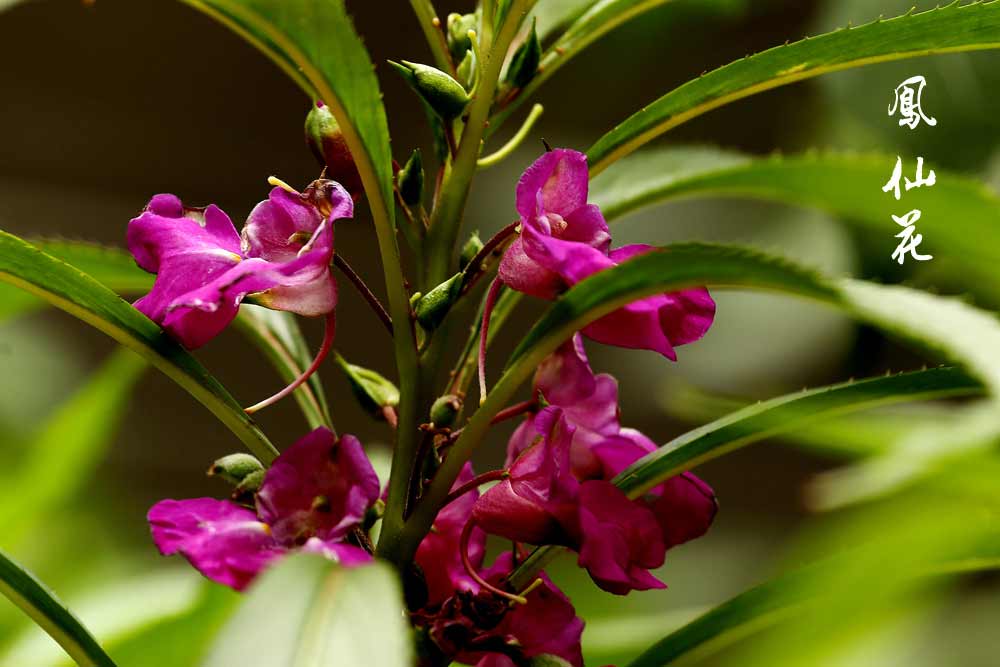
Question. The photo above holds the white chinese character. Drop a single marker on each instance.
(907, 101)
(918, 182)
(910, 240)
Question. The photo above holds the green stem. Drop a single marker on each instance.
(431, 25)
(515, 141)
(447, 217)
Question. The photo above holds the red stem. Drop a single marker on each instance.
(324, 349)
(492, 476)
(491, 300)
(463, 549)
(364, 290)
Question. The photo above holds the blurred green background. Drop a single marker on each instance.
(105, 105)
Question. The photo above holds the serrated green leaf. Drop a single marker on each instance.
(112, 267)
(958, 213)
(310, 612)
(45, 609)
(73, 291)
(61, 458)
(946, 30)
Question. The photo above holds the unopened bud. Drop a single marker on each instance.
(250, 485)
(548, 660)
(434, 305)
(411, 180)
(467, 70)
(234, 468)
(524, 64)
(442, 93)
(373, 391)
(326, 141)
(470, 250)
(459, 26)
(444, 410)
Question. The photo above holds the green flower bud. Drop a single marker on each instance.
(373, 391)
(411, 179)
(524, 64)
(433, 306)
(459, 26)
(445, 96)
(326, 141)
(235, 468)
(467, 70)
(470, 250)
(250, 485)
(444, 410)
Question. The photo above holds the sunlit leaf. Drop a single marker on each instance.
(71, 290)
(41, 604)
(310, 611)
(946, 30)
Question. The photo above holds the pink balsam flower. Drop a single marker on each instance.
(564, 240)
(312, 497)
(204, 269)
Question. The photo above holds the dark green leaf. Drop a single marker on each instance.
(786, 413)
(41, 604)
(310, 612)
(65, 287)
(958, 213)
(947, 30)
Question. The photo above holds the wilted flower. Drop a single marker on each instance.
(314, 494)
(564, 240)
(204, 269)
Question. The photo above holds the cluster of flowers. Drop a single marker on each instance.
(322, 495)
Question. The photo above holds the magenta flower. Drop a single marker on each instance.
(204, 269)
(312, 497)
(439, 554)
(542, 502)
(564, 239)
(477, 627)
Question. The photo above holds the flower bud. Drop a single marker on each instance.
(548, 660)
(375, 393)
(249, 485)
(235, 468)
(433, 306)
(467, 70)
(444, 410)
(411, 180)
(524, 64)
(445, 96)
(326, 141)
(459, 26)
(470, 250)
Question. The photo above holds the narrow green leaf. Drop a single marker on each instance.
(112, 267)
(787, 413)
(73, 291)
(63, 455)
(41, 604)
(958, 214)
(310, 612)
(946, 30)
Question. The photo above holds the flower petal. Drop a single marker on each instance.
(557, 182)
(347, 555)
(223, 541)
(319, 487)
(685, 507)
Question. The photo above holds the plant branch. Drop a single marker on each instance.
(364, 290)
(431, 25)
(447, 216)
(515, 141)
